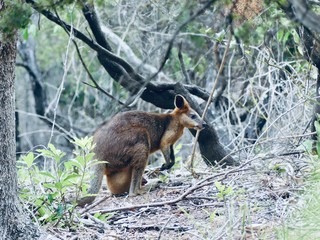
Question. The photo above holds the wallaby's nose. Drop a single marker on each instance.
(204, 124)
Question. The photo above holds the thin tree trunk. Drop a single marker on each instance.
(311, 45)
(14, 223)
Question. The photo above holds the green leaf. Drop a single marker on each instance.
(219, 186)
(178, 147)
(229, 190)
(89, 157)
(41, 211)
(77, 162)
(60, 210)
(212, 216)
(25, 34)
(80, 159)
(49, 185)
(71, 176)
(47, 174)
(58, 185)
(28, 159)
(51, 197)
(84, 143)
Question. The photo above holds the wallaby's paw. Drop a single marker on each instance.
(151, 185)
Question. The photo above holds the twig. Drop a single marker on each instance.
(185, 23)
(61, 129)
(183, 66)
(98, 221)
(93, 205)
(163, 227)
(157, 228)
(96, 85)
(170, 45)
(208, 103)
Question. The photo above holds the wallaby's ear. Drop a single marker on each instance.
(179, 101)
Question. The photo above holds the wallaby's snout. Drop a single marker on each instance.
(193, 120)
(201, 124)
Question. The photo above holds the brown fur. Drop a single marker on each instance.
(127, 140)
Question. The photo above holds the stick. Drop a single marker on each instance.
(209, 102)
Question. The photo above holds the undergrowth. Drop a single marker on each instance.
(51, 193)
(304, 221)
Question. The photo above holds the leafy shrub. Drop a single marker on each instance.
(52, 193)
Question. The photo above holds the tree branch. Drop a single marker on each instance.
(300, 10)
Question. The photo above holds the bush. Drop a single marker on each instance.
(52, 193)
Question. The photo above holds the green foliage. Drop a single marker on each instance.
(16, 15)
(317, 126)
(223, 191)
(303, 222)
(279, 168)
(47, 191)
(54, 4)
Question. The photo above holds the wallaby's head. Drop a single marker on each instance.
(187, 117)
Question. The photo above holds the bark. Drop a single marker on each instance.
(303, 14)
(15, 224)
(26, 50)
(311, 45)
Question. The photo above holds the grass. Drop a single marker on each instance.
(304, 221)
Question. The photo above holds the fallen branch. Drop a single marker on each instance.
(164, 227)
(93, 205)
(157, 227)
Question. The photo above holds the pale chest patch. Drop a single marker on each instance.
(172, 134)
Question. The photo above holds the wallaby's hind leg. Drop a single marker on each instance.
(135, 185)
(139, 163)
(118, 181)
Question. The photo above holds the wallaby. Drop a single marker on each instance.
(126, 141)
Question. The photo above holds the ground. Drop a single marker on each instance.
(184, 207)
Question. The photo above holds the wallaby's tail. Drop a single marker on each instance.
(97, 173)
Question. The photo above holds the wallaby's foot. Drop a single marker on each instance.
(144, 181)
(85, 200)
(151, 185)
(166, 166)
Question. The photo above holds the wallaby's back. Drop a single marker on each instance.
(116, 139)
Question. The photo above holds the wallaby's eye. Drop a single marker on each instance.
(193, 116)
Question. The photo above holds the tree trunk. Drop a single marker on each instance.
(14, 223)
(312, 53)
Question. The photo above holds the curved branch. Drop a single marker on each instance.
(304, 15)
